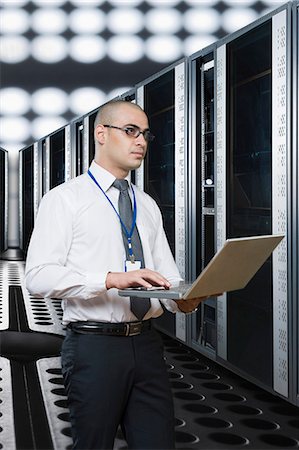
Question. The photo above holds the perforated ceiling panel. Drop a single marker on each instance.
(61, 59)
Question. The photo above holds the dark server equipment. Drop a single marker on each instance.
(59, 157)
(130, 96)
(55, 159)
(294, 391)
(249, 201)
(88, 136)
(163, 172)
(77, 132)
(26, 196)
(3, 200)
(202, 192)
(44, 166)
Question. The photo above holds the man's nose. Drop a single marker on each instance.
(140, 139)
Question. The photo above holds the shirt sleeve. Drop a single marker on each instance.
(164, 261)
(46, 272)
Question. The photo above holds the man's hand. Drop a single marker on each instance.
(187, 306)
(143, 277)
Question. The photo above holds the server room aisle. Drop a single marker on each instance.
(214, 408)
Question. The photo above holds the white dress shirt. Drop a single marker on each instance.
(77, 240)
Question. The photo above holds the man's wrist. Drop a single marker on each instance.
(187, 312)
(108, 283)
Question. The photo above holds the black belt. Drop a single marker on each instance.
(115, 329)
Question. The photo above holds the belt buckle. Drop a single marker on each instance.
(132, 329)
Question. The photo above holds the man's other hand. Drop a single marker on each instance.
(143, 277)
(187, 306)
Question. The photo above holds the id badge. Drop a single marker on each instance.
(129, 265)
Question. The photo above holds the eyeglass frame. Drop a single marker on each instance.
(148, 136)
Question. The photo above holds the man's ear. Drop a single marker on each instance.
(99, 134)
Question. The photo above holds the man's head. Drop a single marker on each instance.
(118, 147)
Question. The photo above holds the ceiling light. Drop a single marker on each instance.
(193, 44)
(235, 18)
(14, 21)
(163, 49)
(87, 49)
(49, 49)
(14, 129)
(14, 49)
(49, 20)
(87, 20)
(42, 126)
(202, 20)
(49, 101)
(86, 99)
(125, 20)
(125, 49)
(14, 101)
(163, 20)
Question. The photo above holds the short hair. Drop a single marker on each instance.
(105, 112)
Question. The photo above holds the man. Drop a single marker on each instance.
(82, 250)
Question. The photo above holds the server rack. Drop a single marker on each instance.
(130, 96)
(253, 186)
(26, 195)
(77, 146)
(163, 174)
(55, 160)
(294, 310)
(88, 138)
(42, 166)
(3, 199)
(202, 189)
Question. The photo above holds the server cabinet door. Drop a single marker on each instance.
(27, 204)
(77, 132)
(203, 335)
(57, 158)
(159, 175)
(2, 199)
(159, 165)
(249, 199)
(164, 169)
(88, 137)
(255, 198)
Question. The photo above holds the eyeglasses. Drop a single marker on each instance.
(134, 131)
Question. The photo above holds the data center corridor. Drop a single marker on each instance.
(214, 408)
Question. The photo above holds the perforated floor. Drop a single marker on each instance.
(214, 408)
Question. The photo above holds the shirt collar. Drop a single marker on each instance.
(103, 176)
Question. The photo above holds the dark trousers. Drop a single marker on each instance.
(112, 380)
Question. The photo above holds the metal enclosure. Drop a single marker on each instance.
(294, 202)
(130, 96)
(163, 173)
(3, 199)
(201, 186)
(42, 166)
(250, 158)
(77, 147)
(26, 195)
(88, 139)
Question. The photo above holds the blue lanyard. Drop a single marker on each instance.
(128, 234)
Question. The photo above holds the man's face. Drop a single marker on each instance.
(119, 152)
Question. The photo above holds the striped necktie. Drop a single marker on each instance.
(139, 306)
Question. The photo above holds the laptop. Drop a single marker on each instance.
(230, 269)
